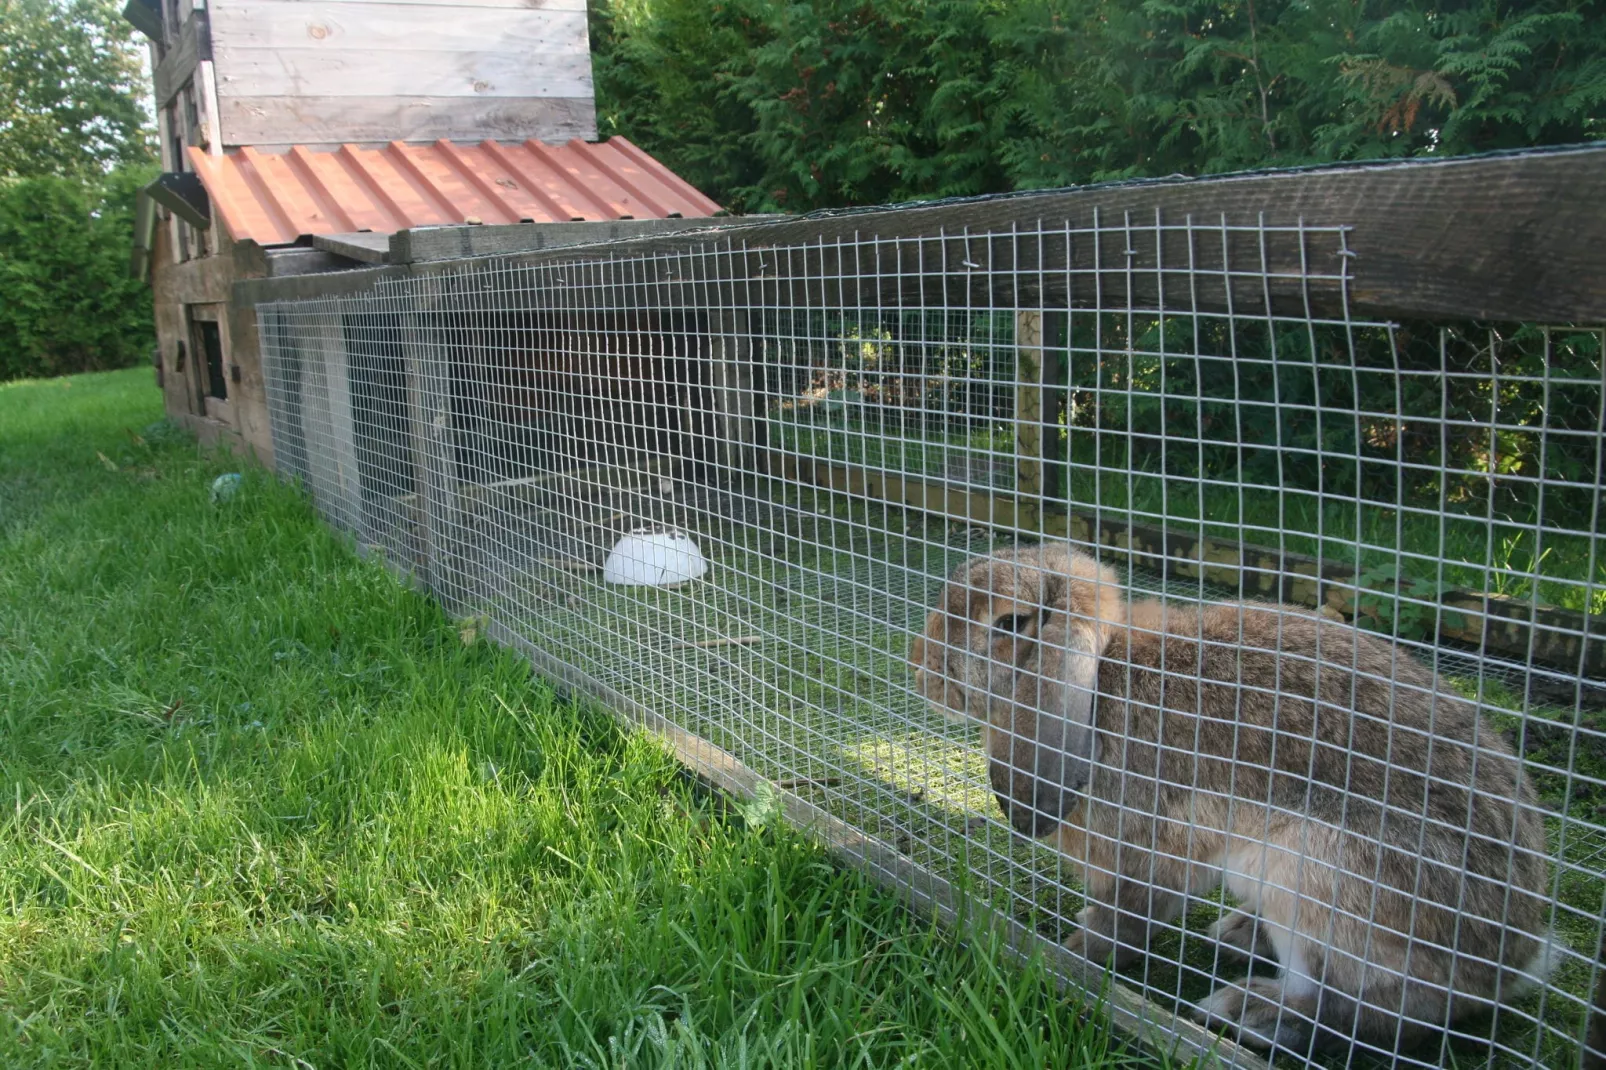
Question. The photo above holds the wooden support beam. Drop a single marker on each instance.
(740, 428)
(1056, 398)
(441, 508)
(327, 416)
(178, 67)
(1029, 419)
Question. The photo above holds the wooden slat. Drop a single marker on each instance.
(428, 418)
(411, 72)
(366, 247)
(178, 66)
(740, 426)
(242, 26)
(319, 426)
(206, 100)
(1509, 237)
(331, 121)
(330, 350)
(1056, 394)
(1029, 418)
(454, 243)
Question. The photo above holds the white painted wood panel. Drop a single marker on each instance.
(313, 72)
(280, 121)
(336, 27)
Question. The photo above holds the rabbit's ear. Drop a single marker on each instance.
(1069, 727)
(1038, 769)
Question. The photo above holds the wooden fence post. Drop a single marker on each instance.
(1056, 398)
(734, 396)
(1029, 364)
(441, 531)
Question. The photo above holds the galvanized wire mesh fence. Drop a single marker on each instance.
(1365, 821)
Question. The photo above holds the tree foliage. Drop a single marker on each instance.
(70, 88)
(75, 145)
(832, 102)
(69, 304)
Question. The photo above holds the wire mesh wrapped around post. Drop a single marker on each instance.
(1146, 597)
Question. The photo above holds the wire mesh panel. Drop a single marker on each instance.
(1151, 598)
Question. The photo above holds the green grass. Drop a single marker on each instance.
(264, 806)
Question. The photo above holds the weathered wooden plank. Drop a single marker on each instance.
(739, 424)
(409, 72)
(209, 432)
(332, 121)
(178, 66)
(241, 26)
(322, 476)
(1504, 627)
(946, 499)
(367, 247)
(1029, 418)
(297, 260)
(1508, 237)
(1056, 393)
(211, 129)
(445, 522)
(1514, 204)
(250, 390)
(456, 243)
(196, 282)
(327, 420)
(299, 287)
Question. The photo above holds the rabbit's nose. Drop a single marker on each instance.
(1032, 806)
(1028, 819)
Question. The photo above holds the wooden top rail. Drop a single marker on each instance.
(1513, 236)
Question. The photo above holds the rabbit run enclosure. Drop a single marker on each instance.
(1196, 578)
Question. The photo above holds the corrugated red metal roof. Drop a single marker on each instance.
(276, 198)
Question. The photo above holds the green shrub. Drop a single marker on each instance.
(67, 303)
(766, 104)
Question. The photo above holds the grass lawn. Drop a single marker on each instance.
(263, 806)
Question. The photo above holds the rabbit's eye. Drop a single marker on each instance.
(1014, 623)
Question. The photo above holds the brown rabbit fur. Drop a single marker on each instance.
(1380, 840)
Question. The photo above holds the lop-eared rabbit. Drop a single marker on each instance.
(1378, 836)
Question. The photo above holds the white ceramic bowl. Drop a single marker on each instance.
(650, 557)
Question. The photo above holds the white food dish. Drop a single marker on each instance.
(652, 557)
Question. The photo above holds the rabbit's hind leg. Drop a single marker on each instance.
(1286, 892)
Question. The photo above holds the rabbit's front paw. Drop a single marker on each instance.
(1092, 939)
(1262, 1012)
(1239, 936)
